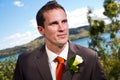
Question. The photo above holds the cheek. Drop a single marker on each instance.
(66, 28)
(50, 31)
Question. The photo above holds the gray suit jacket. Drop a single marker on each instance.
(34, 65)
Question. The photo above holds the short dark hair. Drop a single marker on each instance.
(48, 6)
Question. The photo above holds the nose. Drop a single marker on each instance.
(61, 27)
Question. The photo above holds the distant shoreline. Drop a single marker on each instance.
(74, 34)
(7, 55)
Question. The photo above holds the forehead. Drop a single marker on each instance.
(54, 13)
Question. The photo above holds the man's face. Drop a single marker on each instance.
(55, 27)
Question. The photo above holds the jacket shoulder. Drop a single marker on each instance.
(82, 49)
(30, 54)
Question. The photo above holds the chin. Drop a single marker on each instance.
(62, 42)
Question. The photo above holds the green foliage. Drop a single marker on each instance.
(108, 51)
(97, 27)
(111, 66)
(112, 11)
(112, 8)
(7, 68)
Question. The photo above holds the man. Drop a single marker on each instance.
(41, 63)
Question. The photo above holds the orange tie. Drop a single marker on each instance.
(60, 68)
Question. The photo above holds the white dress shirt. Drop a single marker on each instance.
(51, 58)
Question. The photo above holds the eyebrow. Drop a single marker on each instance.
(56, 22)
(65, 20)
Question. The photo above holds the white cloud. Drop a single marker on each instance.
(98, 14)
(77, 17)
(18, 3)
(33, 23)
(18, 39)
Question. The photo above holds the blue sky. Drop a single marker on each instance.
(17, 18)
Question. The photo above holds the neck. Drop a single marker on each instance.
(56, 49)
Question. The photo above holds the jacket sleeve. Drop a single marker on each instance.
(97, 72)
(18, 72)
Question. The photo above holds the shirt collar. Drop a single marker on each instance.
(52, 55)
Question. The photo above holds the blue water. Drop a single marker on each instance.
(4, 58)
(82, 42)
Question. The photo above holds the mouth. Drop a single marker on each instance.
(62, 35)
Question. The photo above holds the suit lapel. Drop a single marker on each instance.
(43, 65)
(69, 75)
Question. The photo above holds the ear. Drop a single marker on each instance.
(41, 30)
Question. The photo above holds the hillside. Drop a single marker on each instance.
(75, 33)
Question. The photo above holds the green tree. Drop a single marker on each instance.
(107, 50)
(7, 68)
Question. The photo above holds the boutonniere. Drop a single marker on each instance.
(74, 61)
